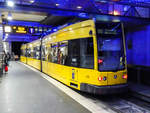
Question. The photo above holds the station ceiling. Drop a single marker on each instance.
(45, 11)
(59, 12)
(54, 12)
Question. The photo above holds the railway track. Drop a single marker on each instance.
(127, 106)
(120, 103)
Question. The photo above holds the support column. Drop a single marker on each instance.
(1, 36)
(10, 46)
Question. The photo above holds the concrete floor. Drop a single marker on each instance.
(25, 91)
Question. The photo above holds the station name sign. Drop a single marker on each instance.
(24, 29)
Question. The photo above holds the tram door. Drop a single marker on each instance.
(74, 58)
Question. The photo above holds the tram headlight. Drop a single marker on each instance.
(100, 78)
(125, 76)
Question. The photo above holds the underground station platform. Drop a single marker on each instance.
(74, 56)
(24, 89)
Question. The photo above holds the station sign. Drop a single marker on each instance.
(25, 29)
(19, 29)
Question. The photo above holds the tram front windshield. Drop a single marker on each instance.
(110, 47)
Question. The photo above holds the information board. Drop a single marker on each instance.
(25, 29)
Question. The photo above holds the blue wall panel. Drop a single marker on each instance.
(138, 46)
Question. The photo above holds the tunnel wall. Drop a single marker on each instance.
(138, 46)
(138, 53)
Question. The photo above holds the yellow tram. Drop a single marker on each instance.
(33, 54)
(23, 57)
(88, 56)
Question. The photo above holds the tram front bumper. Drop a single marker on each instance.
(101, 90)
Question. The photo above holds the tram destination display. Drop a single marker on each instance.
(24, 29)
(19, 29)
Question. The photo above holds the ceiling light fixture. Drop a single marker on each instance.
(79, 7)
(10, 3)
(31, 1)
(103, 1)
(9, 18)
(7, 29)
(57, 4)
(116, 12)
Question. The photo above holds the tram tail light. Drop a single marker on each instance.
(125, 76)
(100, 78)
(100, 61)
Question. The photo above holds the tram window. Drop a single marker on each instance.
(26, 54)
(110, 47)
(73, 58)
(36, 52)
(49, 54)
(43, 53)
(86, 53)
(75, 53)
(29, 52)
(46, 53)
(39, 55)
(80, 53)
(62, 52)
(58, 52)
(54, 52)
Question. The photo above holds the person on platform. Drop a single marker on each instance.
(5, 58)
(8, 58)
